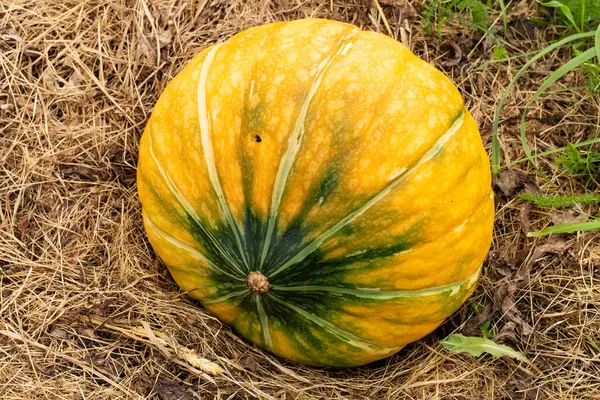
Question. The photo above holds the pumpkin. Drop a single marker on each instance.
(319, 188)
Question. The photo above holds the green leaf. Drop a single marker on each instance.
(573, 153)
(499, 53)
(486, 329)
(568, 66)
(479, 12)
(553, 77)
(597, 43)
(564, 9)
(594, 345)
(572, 160)
(568, 228)
(554, 151)
(476, 346)
(582, 11)
(557, 200)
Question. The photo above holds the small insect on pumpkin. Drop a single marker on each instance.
(319, 188)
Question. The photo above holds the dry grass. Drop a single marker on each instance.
(87, 311)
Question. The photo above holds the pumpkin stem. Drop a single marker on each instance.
(258, 283)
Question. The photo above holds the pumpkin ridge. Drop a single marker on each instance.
(228, 296)
(377, 294)
(209, 156)
(189, 248)
(253, 227)
(343, 261)
(186, 205)
(340, 333)
(441, 235)
(321, 239)
(488, 195)
(294, 141)
(264, 322)
(317, 194)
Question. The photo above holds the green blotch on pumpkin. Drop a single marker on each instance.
(256, 116)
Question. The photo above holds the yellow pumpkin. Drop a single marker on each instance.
(319, 188)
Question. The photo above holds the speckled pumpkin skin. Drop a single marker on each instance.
(339, 165)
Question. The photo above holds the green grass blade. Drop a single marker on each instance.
(503, 8)
(597, 43)
(582, 16)
(525, 145)
(565, 10)
(594, 345)
(542, 53)
(559, 73)
(553, 77)
(553, 151)
(485, 63)
(567, 228)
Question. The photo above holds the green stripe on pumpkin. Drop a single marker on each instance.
(336, 331)
(205, 233)
(376, 294)
(264, 321)
(209, 156)
(192, 250)
(229, 296)
(294, 142)
(319, 241)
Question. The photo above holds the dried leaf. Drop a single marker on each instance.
(146, 49)
(167, 389)
(521, 27)
(454, 57)
(473, 324)
(182, 352)
(248, 361)
(512, 181)
(525, 222)
(554, 245)
(500, 265)
(59, 333)
(167, 345)
(87, 332)
(504, 303)
(404, 7)
(568, 217)
(523, 387)
(395, 3)
(480, 83)
(79, 171)
(192, 358)
(507, 333)
(165, 39)
(11, 34)
(50, 79)
(76, 78)
(22, 224)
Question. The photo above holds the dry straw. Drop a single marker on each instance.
(86, 309)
